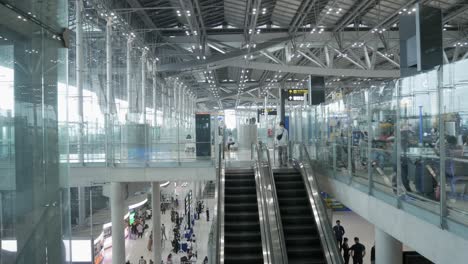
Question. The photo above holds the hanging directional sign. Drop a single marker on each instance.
(297, 94)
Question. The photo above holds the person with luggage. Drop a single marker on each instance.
(358, 251)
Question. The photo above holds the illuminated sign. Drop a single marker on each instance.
(297, 94)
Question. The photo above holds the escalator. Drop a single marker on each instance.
(242, 234)
(302, 238)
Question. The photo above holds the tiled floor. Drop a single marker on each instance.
(134, 249)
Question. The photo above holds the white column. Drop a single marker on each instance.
(117, 215)
(79, 75)
(156, 218)
(130, 109)
(388, 250)
(81, 205)
(143, 85)
(109, 150)
(155, 111)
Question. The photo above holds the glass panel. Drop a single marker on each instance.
(359, 124)
(420, 135)
(455, 96)
(383, 153)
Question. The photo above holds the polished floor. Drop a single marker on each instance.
(135, 248)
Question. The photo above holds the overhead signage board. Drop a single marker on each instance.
(297, 94)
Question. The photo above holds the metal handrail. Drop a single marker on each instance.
(324, 226)
(219, 209)
(262, 209)
(272, 188)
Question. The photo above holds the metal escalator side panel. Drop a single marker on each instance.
(219, 212)
(324, 226)
(263, 218)
(278, 242)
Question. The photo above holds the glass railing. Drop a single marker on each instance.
(407, 139)
(136, 144)
(303, 162)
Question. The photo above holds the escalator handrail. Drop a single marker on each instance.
(262, 209)
(272, 185)
(324, 226)
(219, 209)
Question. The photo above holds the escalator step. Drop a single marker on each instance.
(243, 258)
(295, 210)
(242, 198)
(243, 247)
(290, 193)
(305, 252)
(242, 226)
(302, 239)
(302, 201)
(239, 190)
(241, 216)
(242, 236)
(297, 220)
(298, 230)
(240, 207)
(290, 185)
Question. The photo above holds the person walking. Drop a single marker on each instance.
(358, 251)
(339, 232)
(345, 249)
(163, 232)
(207, 214)
(140, 230)
(282, 139)
(372, 255)
(150, 242)
(141, 260)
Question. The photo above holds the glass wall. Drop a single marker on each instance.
(34, 198)
(407, 138)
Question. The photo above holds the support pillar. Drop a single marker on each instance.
(79, 76)
(156, 218)
(282, 96)
(109, 149)
(143, 85)
(155, 111)
(388, 250)
(81, 206)
(117, 217)
(130, 109)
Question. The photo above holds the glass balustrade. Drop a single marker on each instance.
(407, 138)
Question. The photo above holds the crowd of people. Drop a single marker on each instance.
(183, 239)
(357, 251)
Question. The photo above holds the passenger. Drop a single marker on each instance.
(372, 255)
(169, 259)
(140, 230)
(282, 139)
(205, 260)
(142, 260)
(207, 214)
(163, 232)
(150, 242)
(345, 248)
(358, 251)
(339, 232)
(230, 142)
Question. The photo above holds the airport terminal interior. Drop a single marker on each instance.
(234, 131)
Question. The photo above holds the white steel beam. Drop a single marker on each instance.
(318, 71)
